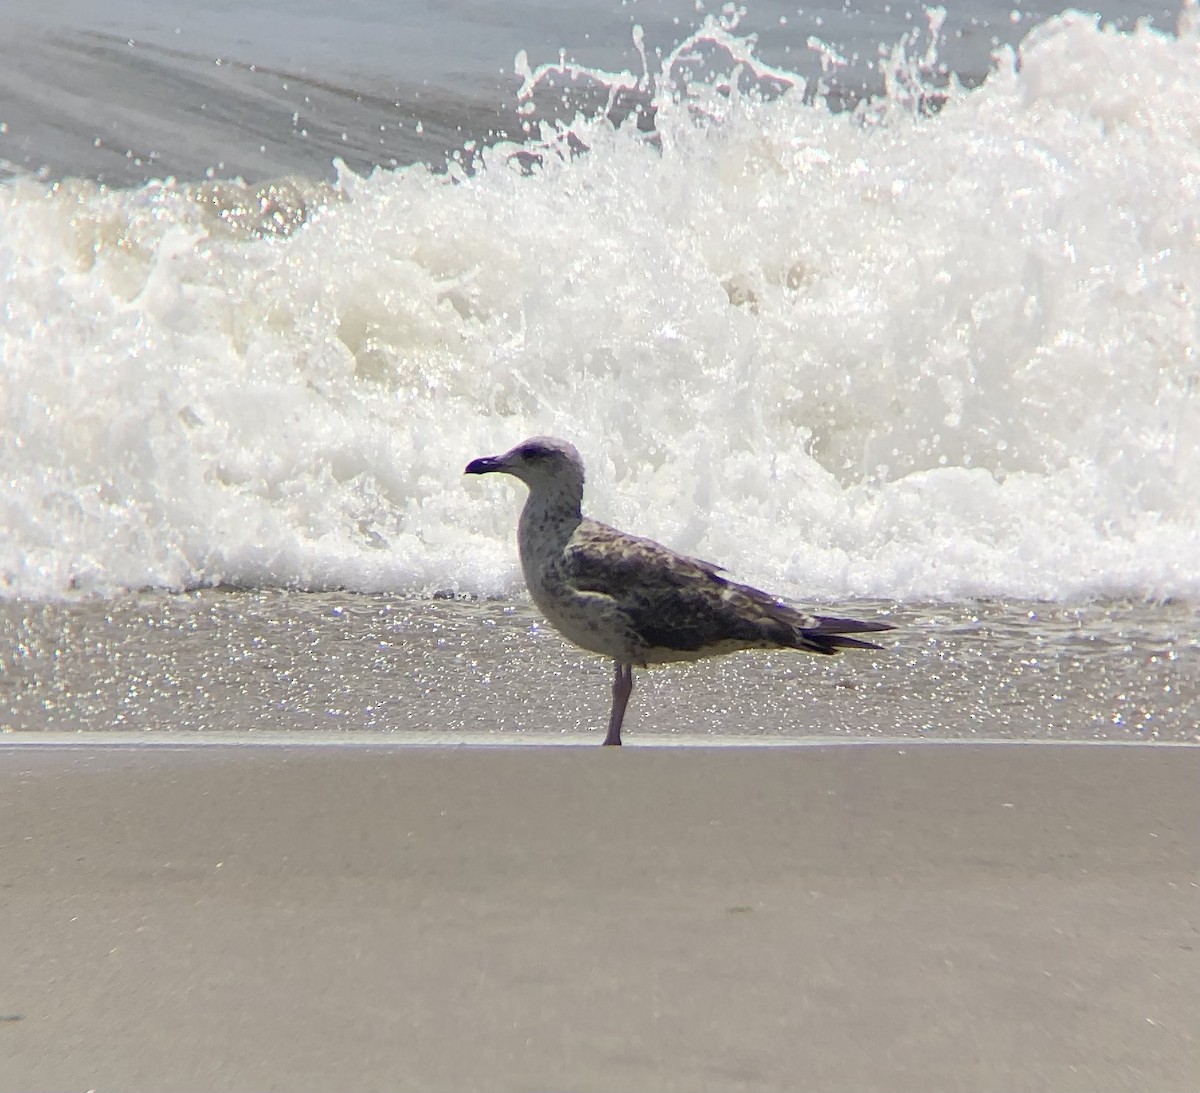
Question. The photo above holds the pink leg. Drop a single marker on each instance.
(622, 689)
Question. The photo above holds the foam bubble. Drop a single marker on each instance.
(904, 351)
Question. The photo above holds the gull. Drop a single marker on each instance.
(633, 599)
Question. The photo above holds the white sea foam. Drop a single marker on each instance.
(890, 353)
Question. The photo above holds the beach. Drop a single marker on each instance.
(871, 916)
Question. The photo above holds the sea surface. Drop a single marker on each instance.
(884, 307)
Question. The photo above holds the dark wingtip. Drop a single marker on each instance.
(829, 635)
(838, 641)
(827, 624)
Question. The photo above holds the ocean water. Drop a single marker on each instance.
(134, 90)
(270, 665)
(868, 304)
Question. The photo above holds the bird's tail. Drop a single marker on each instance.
(830, 634)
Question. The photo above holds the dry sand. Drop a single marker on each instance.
(843, 918)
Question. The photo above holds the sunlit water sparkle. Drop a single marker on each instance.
(380, 666)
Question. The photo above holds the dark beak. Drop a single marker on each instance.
(485, 465)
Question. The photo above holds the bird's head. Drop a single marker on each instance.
(543, 463)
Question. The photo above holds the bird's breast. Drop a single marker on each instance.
(591, 620)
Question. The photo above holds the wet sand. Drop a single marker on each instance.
(866, 917)
(223, 661)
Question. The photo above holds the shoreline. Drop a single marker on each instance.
(753, 918)
(305, 740)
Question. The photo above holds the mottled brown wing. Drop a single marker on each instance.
(598, 552)
(681, 603)
(673, 601)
